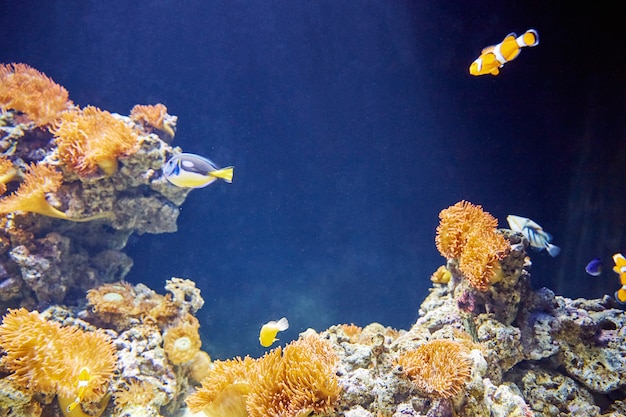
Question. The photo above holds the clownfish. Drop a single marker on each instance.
(492, 58)
(269, 330)
(537, 237)
(187, 170)
(81, 386)
(620, 268)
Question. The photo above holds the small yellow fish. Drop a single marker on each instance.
(81, 386)
(492, 58)
(187, 170)
(620, 268)
(270, 330)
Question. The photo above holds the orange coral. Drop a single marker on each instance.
(135, 393)
(30, 197)
(468, 233)
(441, 275)
(215, 389)
(439, 367)
(155, 116)
(292, 382)
(48, 358)
(92, 139)
(182, 342)
(31, 92)
(119, 303)
(7, 173)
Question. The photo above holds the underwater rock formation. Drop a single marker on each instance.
(99, 173)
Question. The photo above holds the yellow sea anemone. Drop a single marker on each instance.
(31, 92)
(30, 197)
(67, 361)
(440, 367)
(92, 139)
(7, 173)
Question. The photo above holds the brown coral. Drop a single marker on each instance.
(93, 139)
(31, 92)
(182, 342)
(439, 367)
(289, 382)
(48, 358)
(468, 234)
(30, 197)
(156, 116)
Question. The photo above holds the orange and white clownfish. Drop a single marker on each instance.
(492, 58)
(620, 269)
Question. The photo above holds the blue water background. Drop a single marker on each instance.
(351, 124)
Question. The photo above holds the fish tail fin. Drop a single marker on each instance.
(529, 38)
(553, 250)
(225, 174)
(282, 324)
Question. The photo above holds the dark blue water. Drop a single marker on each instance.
(351, 124)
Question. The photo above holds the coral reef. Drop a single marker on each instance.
(26, 90)
(47, 358)
(56, 353)
(102, 171)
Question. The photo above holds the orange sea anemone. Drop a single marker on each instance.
(224, 391)
(27, 90)
(134, 393)
(115, 298)
(30, 197)
(182, 342)
(440, 367)
(92, 139)
(301, 382)
(289, 382)
(468, 234)
(47, 358)
(155, 116)
(7, 173)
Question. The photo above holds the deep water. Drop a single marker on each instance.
(351, 124)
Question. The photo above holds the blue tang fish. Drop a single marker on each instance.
(594, 267)
(538, 238)
(187, 170)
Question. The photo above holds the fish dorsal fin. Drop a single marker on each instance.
(487, 49)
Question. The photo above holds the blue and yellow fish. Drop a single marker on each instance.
(620, 268)
(492, 58)
(269, 330)
(594, 267)
(537, 237)
(187, 170)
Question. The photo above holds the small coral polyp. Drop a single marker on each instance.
(182, 342)
(92, 140)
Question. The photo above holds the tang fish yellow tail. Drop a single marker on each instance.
(225, 174)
